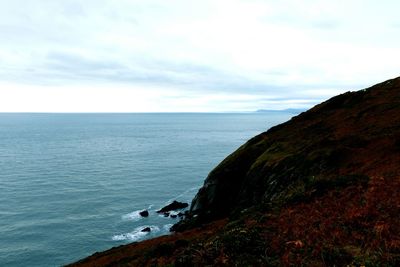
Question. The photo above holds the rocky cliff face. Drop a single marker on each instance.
(320, 189)
(322, 146)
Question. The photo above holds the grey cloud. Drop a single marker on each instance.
(60, 67)
(297, 98)
(76, 63)
(65, 67)
(157, 43)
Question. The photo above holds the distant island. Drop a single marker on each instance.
(288, 110)
(322, 189)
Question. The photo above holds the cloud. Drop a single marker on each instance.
(288, 50)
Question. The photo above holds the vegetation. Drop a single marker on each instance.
(319, 190)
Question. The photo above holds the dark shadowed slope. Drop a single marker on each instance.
(328, 141)
(320, 189)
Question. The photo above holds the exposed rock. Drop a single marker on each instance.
(173, 216)
(319, 190)
(146, 229)
(173, 206)
(166, 214)
(315, 146)
(144, 213)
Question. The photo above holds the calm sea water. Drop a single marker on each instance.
(72, 184)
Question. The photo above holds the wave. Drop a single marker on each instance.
(172, 212)
(167, 227)
(136, 234)
(134, 215)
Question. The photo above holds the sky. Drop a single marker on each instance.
(191, 56)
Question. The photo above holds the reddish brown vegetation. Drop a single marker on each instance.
(320, 190)
(350, 226)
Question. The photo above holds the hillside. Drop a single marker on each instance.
(322, 189)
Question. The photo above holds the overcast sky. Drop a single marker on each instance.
(206, 55)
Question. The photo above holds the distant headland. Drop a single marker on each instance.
(288, 110)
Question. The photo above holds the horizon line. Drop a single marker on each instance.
(153, 112)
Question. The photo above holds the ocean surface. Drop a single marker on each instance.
(73, 184)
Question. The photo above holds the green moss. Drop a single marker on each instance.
(276, 152)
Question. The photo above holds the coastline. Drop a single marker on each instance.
(295, 194)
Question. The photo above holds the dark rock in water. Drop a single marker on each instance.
(173, 216)
(173, 206)
(144, 213)
(146, 229)
(180, 214)
(166, 214)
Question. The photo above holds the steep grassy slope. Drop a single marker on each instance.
(322, 189)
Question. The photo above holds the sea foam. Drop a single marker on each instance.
(167, 227)
(136, 234)
(133, 216)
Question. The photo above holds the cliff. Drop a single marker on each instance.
(320, 189)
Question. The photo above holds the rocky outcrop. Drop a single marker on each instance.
(317, 147)
(322, 189)
(146, 229)
(144, 213)
(175, 205)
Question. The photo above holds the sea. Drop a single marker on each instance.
(74, 184)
